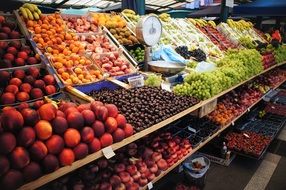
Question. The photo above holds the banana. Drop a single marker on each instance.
(29, 6)
(193, 21)
(129, 11)
(38, 11)
(23, 12)
(36, 16)
(30, 15)
(212, 23)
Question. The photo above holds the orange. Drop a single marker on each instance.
(30, 23)
(65, 75)
(68, 37)
(38, 30)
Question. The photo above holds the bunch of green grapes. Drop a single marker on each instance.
(280, 54)
(153, 80)
(247, 42)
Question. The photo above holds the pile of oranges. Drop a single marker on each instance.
(64, 49)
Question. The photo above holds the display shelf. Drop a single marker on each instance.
(92, 157)
(207, 140)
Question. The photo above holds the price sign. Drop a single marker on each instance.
(108, 152)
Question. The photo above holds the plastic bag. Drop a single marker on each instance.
(167, 53)
(205, 67)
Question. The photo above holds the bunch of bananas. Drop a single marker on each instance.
(202, 22)
(30, 11)
(131, 15)
(165, 17)
(240, 25)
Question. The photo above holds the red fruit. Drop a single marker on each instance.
(60, 114)
(88, 116)
(154, 168)
(133, 186)
(55, 144)
(19, 158)
(119, 168)
(98, 128)
(3, 36)
(37, 104)
(14, 35)
(23, 55)
(101, 113)
(162, 164)
(12, 120)
(12, 50)
(15, 81)
(70, 110)
(60, 125)
(124, 176)
(6, 63)
(94, 104)
(5, 29)
(136, 176)
(115, 180)
(50, 163)
(105, 186)
(94, 146)
(156, 156)
(4, 165)
(72, 137)
(20, 74)
(39, 84)
(112, 110)
(66, 157)
(36, 93)
(19, 62)
(23, 105)
(12, 180)
(47, 112)
(141, 166)
(34, 72)
(143, 181)
(3, 44)
(16, 43)
(22, 96)
(131, 169)
(118, 135)
(128, 130)
(80, 151)
(38, 150)
(102, 163)
(7, 98)
(75, 120)
(2, 19)
(43, 129)
(87, 135)
(50, 89)
(26, 49)
(83, 107)
(106, 140)
(121, 120)
(25, 87)
(49, 80)
(32, 171)
(110, 124)
(7, 142)
(26, 136)
(9, 56)
(29, 79)
(4, 77)
(151, 177)
(12, 88)
(32, 60)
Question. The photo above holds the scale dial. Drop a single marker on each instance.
(149, 30)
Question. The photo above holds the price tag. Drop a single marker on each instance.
(192, 129)
(180, 168)
(150, 185)
(229, 3)
(232, 122)
(108, 152)
(248, 109)
(166, 86)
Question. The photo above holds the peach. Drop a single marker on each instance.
(49, 80)
(118, 135)
(55, 144)
(94, 146)
(15, 81)
(38, 150)
(65, 105)
(23, 55)
(50, 163)
(20, 74)
(23, 105)
(12, 180)
(31, 116)
(128, 130)
(87, 135)
(34, 71)
(70, 110)
(7, 98)
(19, 62)
(32, 171)
(47, 112)
(106, 140)
(12, 88)
(25, 87)
(66, 157)
(83, 107)
(75, 120)
(94, 104)
(26, 136)
(110, 124)
(7, 142)
(50, 89)
(4, 165)
(39, 84)
(22, 96)
(12, 120)
(80, 151)
(72, 137)
(112, 110)
(43, 130)
(19, 158)
(121, 120)
(60, 125)
(88, 116)
(98, 128)
(61, 114)
(37, 104)
(101, 113)
(4, 77)
(36, 93)
(29, 79)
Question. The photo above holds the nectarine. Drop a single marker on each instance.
(31, 116)
(75, 120)
(38, 150)
(66, 157)
(80, 151)
(26, 136)
(60, 125)
(94, 146)
(43, 129)
(88, 116)
(12, 120)
(55, 144)
(11, 180)
(32, 171)
(19, 158)
(72, 137)
(50, 163)
(106, 140)
(110, 124)
(47, 111)
(98, 128)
